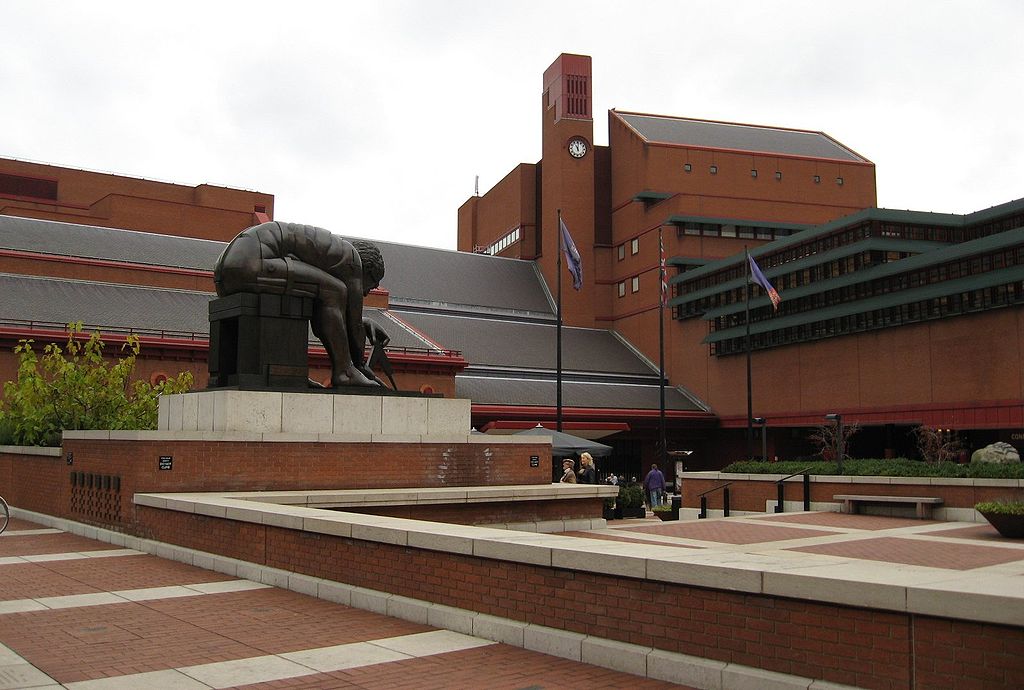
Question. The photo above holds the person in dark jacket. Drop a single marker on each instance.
(654, 486)
(587, 473)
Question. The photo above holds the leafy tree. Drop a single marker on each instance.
(74, 387)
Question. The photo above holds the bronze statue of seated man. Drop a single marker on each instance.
(306, 261)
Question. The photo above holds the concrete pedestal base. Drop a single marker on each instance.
(313, 413)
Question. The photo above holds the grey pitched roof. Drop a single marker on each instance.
(601, 394)
(57, 302)
(427, 276)
(738, 137)
(504, 343)
(111, 244)
(414, 275)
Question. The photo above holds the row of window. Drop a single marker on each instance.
(504, 242)
(634, 283)
(713, 170)
(936, 308)
(931, 275)
(634, 248)
(753, 232)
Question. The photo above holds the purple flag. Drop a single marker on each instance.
(572, 256)
(758, 277)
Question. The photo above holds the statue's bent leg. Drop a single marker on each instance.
(328, 322)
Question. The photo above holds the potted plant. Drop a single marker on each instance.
(631, 500)
(666, 512)
(1006, 517)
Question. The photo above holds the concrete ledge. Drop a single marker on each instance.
(982, 597)
(32, 450)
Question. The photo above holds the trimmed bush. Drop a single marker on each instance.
(998, 508)
(897, 467)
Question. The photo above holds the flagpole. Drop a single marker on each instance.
(746, 311)
(661, 349)
(558, 328)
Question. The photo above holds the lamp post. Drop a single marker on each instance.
(838, 420)
(763, 423)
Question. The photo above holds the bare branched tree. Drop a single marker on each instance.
(826, 438)
(936, 445)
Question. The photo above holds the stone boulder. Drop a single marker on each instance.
(998, 453)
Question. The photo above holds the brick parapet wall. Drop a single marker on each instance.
(97, 485)
(747, 493)
(842, 644)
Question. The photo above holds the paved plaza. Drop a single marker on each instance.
(78, 613)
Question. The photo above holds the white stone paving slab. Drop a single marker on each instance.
(24, 675)
(77, 600)
(430, 643)
(328, 659)
(164, 680)
(261, 669)
(20, 606)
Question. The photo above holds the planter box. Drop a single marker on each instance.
(667, 515)
(1010, 526)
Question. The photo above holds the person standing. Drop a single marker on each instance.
(588, 473)
(568, 474)
(654, 486)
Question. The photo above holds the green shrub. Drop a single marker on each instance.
(1000, 508)
(896, 467)
(630, 496)
(75, 387)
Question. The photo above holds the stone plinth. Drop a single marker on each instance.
(313, 413)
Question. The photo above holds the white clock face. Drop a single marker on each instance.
(577, 148)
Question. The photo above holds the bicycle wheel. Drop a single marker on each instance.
(5, 514)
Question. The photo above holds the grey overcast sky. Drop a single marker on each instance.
(373, 118)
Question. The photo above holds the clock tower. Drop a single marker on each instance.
(567, 180)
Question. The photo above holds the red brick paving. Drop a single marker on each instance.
(82, 576)
(985, 532)
(865, 522)
(933, 554)
(91, 642)
(18, 524)
(39, 544)
(632, 540)
(496, 667)
(728, 531)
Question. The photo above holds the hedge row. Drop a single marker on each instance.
(896, 467)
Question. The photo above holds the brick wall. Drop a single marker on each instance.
(862, 647)
(492, 513)
(97, 487)
(750, 495)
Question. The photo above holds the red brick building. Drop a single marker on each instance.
(804, 204)
(891, 318)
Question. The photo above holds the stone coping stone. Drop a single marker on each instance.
(994, 597)
(847, 479)
(32, 450)
(279, 437)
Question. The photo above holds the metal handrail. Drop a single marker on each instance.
(704, 501)
(803, 471)
(780, 491)
(720, 486)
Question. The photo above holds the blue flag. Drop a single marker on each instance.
(758, 277)
(572, 256)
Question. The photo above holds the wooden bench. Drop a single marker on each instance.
(924, 503)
